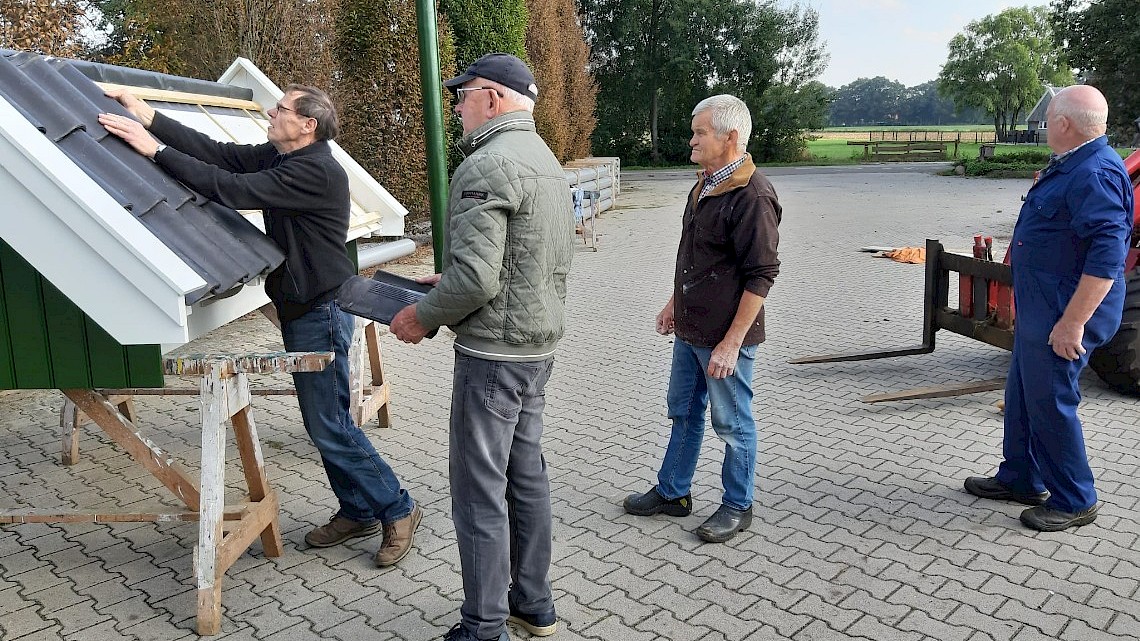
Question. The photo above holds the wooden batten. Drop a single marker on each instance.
(164, 95)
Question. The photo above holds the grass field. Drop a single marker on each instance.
(983, 127)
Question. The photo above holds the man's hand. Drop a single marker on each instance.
(432, 280)
(665, 319)
(1066, 339)
(132, 132)
(138, 108)
(407, 327)
(722, 363)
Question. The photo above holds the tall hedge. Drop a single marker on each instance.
(568, 96)
(378, 92)
(486, 26)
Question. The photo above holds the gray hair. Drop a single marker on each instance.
(510, 95)
(1088, 121)
(728, 113)
(316, 104)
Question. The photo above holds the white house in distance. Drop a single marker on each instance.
(1035, 121)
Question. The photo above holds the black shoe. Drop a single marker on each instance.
(988, 487)
(1050, 520)
(652, 503)
(724, 524)
(460, 633)
(540, 625)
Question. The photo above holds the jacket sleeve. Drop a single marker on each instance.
(227, 155)
(296, 185)
(1101, 206)
(483, 197)
(755, 238)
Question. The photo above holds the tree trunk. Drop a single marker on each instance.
(654, 147)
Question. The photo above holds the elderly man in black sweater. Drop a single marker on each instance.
(303, 193)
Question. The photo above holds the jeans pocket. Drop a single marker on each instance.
(509, 384)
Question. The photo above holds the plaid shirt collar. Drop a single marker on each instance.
(719, 176)
(1056, 160)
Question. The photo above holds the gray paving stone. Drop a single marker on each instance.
(862, 530)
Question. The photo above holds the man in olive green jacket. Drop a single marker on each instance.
(508, 249)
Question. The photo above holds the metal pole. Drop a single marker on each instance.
(431, 85)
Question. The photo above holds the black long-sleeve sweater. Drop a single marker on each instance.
(303, 194)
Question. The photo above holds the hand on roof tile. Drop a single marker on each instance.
(132, 132)
(138, 108)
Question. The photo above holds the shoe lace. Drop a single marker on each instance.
(457, 633)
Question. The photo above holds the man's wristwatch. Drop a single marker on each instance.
(158, 150)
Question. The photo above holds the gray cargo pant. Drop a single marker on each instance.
(500, 492)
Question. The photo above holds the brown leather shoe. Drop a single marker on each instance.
(398, 537)
(338, 530)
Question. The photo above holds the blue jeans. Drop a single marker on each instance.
(690, 389)
(365, 485)
(500, 490)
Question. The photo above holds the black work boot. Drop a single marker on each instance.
(652, 503)
(988, 487)
(1047, 519)
(724, 524)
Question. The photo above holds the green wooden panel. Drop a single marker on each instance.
(7, 370)
(67, 345)
(108, 361)
(47, 342)
(27, 329)
(353, 247)
(144, 362)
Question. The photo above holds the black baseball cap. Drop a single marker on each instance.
(503, 68)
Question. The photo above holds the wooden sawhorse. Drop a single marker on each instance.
(225, 532)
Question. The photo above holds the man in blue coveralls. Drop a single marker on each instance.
(1069, 247)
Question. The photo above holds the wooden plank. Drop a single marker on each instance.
(276, 363)
(260, 518)
(379, 395)
(67, 340)
(938, 391)
(183, 97)
(141, 449)
(187, 391)
(253, 466)
(144, 365)
(232, 513)
(213, 482)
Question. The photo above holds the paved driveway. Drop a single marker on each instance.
(862, 528)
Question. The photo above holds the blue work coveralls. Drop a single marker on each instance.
(1077, 219)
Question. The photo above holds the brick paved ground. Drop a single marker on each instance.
(862, 529)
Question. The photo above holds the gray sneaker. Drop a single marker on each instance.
(340, 529)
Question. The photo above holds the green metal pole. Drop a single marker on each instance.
(431, 85)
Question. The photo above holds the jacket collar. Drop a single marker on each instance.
(1084, 151)
(511, 121)
(736, 180)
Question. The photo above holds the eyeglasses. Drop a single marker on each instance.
(462, 96)
(280, 107)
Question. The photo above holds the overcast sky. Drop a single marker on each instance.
(904, 40)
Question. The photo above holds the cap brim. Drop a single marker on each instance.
(454, 83)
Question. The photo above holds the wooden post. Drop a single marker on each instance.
(211, 399)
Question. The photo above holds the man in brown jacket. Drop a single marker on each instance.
(726, 264)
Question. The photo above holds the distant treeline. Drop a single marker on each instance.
(879, 101)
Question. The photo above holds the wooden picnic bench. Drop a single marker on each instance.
(889, 150)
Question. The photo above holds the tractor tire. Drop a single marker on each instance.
(1117, 362)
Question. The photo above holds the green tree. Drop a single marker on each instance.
(655, 59)
(1102, 40)
(868, 101)
(1001, 62)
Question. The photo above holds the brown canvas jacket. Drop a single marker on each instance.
(728, 244)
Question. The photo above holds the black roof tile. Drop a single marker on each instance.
(59, 98)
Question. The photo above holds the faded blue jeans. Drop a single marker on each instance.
(690, 390)
(365, 485)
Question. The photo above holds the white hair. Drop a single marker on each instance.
(1088, 121)
(728, 113)
(510, 95)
